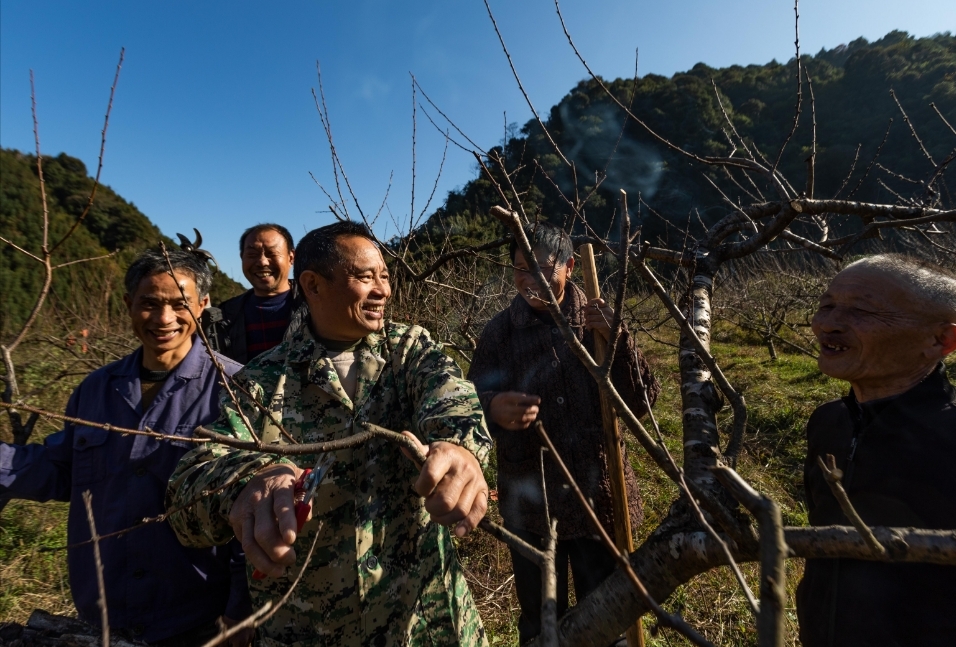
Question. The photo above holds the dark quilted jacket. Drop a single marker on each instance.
(522, 351)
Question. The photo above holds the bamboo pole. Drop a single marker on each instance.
(612, 441)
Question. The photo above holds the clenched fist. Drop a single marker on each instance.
(514, 410)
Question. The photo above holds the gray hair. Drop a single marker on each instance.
(547, 238)
(153, 262)
(928, 283)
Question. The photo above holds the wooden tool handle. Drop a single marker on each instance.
(612, 439)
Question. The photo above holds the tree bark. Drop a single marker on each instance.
(700, 400)
(678, 551)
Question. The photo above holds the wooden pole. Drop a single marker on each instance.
(612, 441)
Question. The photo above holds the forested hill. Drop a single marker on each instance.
(112, 224)
(851, 85)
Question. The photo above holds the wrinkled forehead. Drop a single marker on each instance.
(161, 286)
(874, 286)
(359, 254)
(268, 239)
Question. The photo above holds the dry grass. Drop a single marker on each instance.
(30, 579)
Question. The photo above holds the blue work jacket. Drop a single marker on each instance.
(155, 587)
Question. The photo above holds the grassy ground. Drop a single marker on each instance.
(780, 396)
(31, 579)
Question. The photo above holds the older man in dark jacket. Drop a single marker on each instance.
(884, 324)
(523, 371)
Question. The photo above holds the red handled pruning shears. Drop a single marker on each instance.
(305, 488)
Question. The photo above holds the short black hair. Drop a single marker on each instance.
(267, 226)
(153, 262)
(545, 237)
(319, 251)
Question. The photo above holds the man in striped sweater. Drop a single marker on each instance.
(256, 320)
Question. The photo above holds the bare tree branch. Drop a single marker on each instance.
(98, 563)
(833, 477)
(773, 556)
(673, 621)
(99, 164)
(268, 609)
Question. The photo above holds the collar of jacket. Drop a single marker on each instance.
(124, 374)
(307, 353)
(572, 306)
(932, 391)
(303, 345)
(192, 366)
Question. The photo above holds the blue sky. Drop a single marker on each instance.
(214, 125)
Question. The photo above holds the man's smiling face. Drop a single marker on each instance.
(352, 304)
(872, 332)
(162, 321)
(266, 261)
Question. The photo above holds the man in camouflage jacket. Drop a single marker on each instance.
(382, 574)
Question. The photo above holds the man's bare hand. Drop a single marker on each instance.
(454, 488)
(598, 317)
(513, 410)
(263, 518)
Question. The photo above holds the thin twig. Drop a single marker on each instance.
(86, 260)
(876, 155)
(909, 123)
(268, 609)
(544, 129)
(21, 250)
(146, 431)
(212, 356)
(673, 621)
(98, 562)
(99, 165)
(160, 518)
(833, 476)
(940, 115)
(797, 111)
(812, 160)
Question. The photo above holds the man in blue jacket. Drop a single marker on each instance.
(156, 590)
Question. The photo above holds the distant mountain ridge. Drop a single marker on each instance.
(113, 223)
(851, 90)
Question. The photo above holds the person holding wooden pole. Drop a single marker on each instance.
(524, 371)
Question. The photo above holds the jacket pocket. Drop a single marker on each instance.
(90, 455)
(183, 431)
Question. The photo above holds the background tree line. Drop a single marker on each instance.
(850, 84)
(112, 225)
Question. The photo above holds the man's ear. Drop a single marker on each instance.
(946, 339)
(204, 303)
(570, 265)
(312, 284)
(129, 302)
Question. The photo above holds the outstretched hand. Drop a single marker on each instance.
(453, 485)
(263, 518)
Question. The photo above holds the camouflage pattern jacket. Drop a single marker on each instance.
(382, 574)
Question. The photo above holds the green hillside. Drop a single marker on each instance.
(851, 85)
(112, 224)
